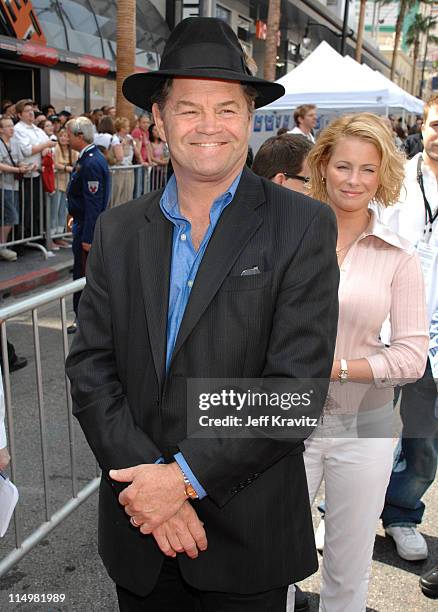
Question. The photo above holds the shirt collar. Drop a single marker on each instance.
(85, 149)
(170, 206)
(428, 172)
(380, 230)
(412, 165)
(29, 126)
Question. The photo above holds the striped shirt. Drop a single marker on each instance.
(380, 276)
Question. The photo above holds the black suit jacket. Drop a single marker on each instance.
(279, 323)
(413, 145)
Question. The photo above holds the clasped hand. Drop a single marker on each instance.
(156, 500)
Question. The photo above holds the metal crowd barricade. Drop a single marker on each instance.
(24, 543)
(34, 227)
(142, 179)
(31, 211)
(145, 180)
(37, 223)
(157, 177)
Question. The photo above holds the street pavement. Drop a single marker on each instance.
(66, 561)
(31, 271)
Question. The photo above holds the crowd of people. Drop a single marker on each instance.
(320, 263)
(34, 146)
(25, 129)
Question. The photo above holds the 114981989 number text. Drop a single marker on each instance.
(36, 597)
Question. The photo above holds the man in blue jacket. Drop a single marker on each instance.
(87, 193)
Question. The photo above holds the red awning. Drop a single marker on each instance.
(38, 54)
(93, 65)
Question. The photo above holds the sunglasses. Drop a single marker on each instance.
(303, 179)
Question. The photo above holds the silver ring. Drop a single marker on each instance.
(134, 522)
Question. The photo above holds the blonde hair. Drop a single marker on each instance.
(369, 128)
(122, 122)
(432, 101)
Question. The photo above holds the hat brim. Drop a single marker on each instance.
(139, 88)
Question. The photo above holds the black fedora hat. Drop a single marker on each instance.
(204, 48)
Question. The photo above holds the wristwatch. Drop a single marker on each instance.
(189, 488)
(343, 371)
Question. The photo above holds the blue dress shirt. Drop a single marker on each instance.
(184, 266)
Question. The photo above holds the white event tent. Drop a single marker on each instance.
(331, 81)
(397, 97)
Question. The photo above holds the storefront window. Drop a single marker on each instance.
(102, 92)
(67, 91)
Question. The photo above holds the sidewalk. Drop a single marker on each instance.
(32, 270)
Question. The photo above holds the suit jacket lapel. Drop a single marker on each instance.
(237, 224)
(155, 250)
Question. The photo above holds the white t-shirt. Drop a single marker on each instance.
(297, 130)
(28, 136)
(128, 150)
(106, 140)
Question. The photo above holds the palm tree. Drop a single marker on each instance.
(360, 29)
(271, 39)
(420, 25)
(434, 41)
(126, 44)
(404, 7)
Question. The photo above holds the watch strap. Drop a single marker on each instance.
(190, 489)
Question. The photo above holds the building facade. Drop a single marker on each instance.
(380, 25)
(64, 51)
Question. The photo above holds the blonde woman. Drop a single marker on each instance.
(123, 188)
(65, 159)
(158, 156)
(354, 163)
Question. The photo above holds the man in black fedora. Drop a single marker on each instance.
(220, 275)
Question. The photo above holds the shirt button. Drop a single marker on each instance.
(190, 284)
(183, 237)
